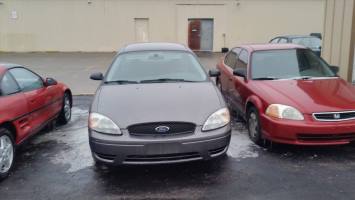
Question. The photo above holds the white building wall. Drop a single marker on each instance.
(107, 25)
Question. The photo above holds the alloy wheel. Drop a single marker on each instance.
(6, 153)
(67, 108)
(253, 125)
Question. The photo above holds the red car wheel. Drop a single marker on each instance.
(254, 127)
(7, 152)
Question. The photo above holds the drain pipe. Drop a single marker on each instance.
(224, 48)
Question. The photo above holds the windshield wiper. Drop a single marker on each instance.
(265, 78)
(314, 77)
(121, 82)
(165, 80)
(302, 78)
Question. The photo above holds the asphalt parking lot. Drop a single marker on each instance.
(58, 165)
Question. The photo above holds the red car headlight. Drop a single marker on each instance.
(283, 112)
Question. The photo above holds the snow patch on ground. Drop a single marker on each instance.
(241, 146)
(74, 135)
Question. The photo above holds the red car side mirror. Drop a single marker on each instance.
(50, 82)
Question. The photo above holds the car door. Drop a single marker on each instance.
(227, 72)
(238, 87)
(13, 106)
(36, 95)
(54, 98)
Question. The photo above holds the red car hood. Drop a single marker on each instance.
(309, 96)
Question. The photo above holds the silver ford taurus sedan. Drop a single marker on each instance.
(155, 105)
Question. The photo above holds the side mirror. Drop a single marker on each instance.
(50, 82)
(214, 73)
(224, 50)
(97, 76)
(335, 69)
(240, 72)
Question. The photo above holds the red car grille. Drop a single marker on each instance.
(334, 116)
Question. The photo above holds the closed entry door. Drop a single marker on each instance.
(200, 36)
(142, 29)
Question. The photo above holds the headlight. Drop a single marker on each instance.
(217, 120)
(102, 124)
(284, 112)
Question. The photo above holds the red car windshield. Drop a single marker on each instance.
(288, 64)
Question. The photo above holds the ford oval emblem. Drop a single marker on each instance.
(162, 129)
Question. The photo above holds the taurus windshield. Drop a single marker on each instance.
(288, 64)
(156, 66)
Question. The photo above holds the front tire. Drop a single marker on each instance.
(7, 152)
(254, 126)
(65, 113)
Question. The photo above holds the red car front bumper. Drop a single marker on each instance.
(308, 132)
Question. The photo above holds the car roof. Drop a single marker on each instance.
(8, 65)
(270, 46)
(296, 36)
(5, 66)
(154, 46)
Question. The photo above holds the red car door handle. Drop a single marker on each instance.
(33, 100)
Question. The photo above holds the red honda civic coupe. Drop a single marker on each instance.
(27, 104)
(287, 94)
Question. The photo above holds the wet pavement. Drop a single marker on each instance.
(58, 165)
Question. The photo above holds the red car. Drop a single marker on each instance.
(27, 104)
(287, 94)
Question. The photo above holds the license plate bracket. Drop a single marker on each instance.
(162, 148)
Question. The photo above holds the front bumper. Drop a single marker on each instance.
(129, 149)
(308, 132)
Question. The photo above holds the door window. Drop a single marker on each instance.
(274, 40)
(242, 61)
(283, 40)
(231, 58)
(8, 85)
(26, 79)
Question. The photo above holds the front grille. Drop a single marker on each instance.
(162, 128)
(326, 137)
(334, 116)
(162, 157)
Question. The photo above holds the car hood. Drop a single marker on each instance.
(309, 96)
(157, 102)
